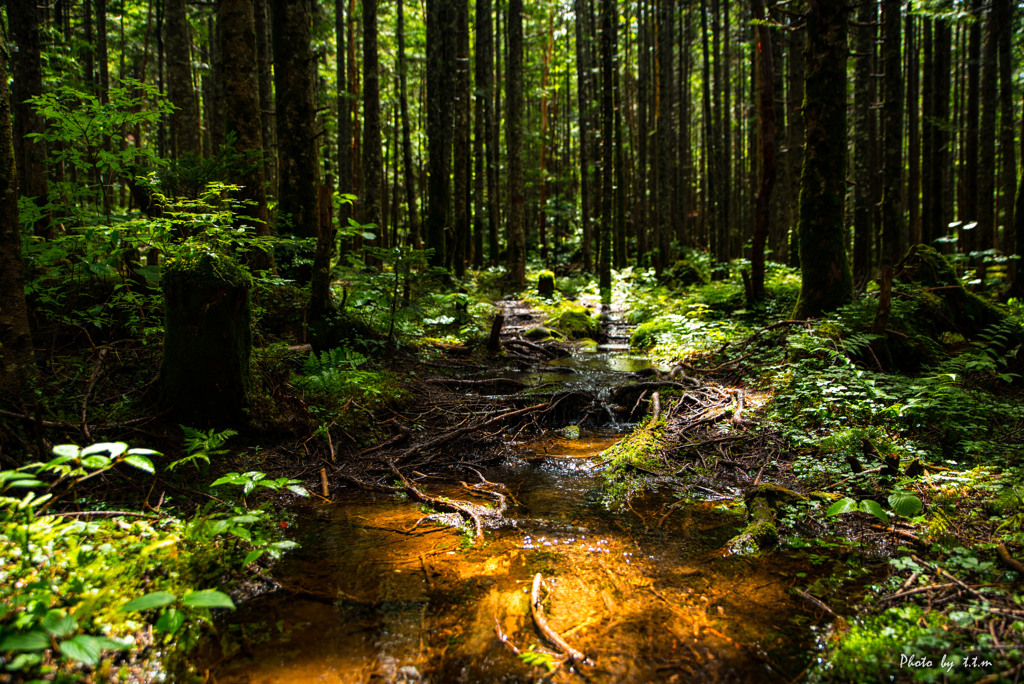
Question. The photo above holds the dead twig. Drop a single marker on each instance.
(542, 624)
(816, 602)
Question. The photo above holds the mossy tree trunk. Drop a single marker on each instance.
(827, 282)
(184, 124)
(205, 377)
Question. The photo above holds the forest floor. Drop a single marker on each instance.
(823, 438)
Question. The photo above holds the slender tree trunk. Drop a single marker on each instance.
(17, 366)
(264, 59)
(242, 109)
(608, 17)
(403, 102)
(710, 137)
(297, 151)
(440, 65)
(619, 237)
(101, 50)
(968, 204)
(641, 209)
(1008, 166)
(184, 127)
(665, 134)
(863, 140)
(371, 166)
(928, 198)
(942, 187)
(892, 114)
(584, 76)
(985, 233)
(491, 128)
(461, 161)
(26, 65)
(345, 180)
(913, 194)
(766, 150)
(514, 136)
(826, 282)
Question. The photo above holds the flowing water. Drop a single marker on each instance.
(380, 592)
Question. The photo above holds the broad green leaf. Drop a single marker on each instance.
(253, 555)
(140, 462)
(905, 504)
(96, 462)
(156, 599)
(170, 622)
(145, 452)
(112, 449)
(873, 507)
(846, 505)
(208, 598)
(59, 625)
(28, 641)
(246, 519)
(68, 450)
(298, 490)
(84, 649)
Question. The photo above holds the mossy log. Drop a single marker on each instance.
(205, 376)
(761, 534)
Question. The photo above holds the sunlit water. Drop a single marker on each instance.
(379, 593)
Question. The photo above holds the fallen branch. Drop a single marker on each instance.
(439, 504)
(503, 638)
(542, 624)
(1008, 560)
(455, 434)
(816, 602)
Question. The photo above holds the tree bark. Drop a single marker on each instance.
(584, 77)
(345, 182)
(440, 65)
(184, 133)
(461, 161)
(765, 65)
(1003, 9)
(514, 134)
(827, 282)
(985, 233)
(403, 102)
(665, 137)
(297, 152)
(264, 60)
(17, 365)
(26, 65)
(608, 16)
(893, 240)
(372, 169)
(863, 143)
(968, 204)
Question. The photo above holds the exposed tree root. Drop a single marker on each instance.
(537, 610)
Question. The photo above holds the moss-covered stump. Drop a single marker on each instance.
(761, 534)
(575, 322)
(546, 284)
(205, 376)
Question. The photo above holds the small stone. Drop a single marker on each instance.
(571, 431)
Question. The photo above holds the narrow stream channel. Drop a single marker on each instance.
(648, 593)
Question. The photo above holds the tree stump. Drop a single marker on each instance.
(205, 376)
(546, 284)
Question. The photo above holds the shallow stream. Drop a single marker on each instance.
(380, 592)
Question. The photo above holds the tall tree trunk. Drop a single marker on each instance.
(184, 133)
(619, 248)
(26, 65)
(710, 137)
(461, 160)
(1008, 166)
(371, 166)
(264, 60)
(17, 365)
(609, 15)
(942, 190)
(101, 50)
(236, 27)
(297, 152)
(584, 76)
(968, 204)
(440, 65)
(345, 180)
(213, 88)
(913, 140)
(766, 149)
(514, 136)
(928, 198)
(645, 101)
(485, 57)
(403, 102)
(665, 134)
(826, 282)
(863, 140)
(985, 233)
(893, 240)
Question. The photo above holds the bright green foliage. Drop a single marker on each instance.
(629, 460)
(538, 659)
(848, 505)
(64, 579)
(200, 445)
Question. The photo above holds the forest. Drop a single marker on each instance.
(506, 340)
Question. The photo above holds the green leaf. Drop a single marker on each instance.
(298, 490)
(170, 622)
(208, 598)
(157, 599)
(84, 649)
(68, 450)
(140, 462)
(28, 641)
(112, 449)
(253, 555)
(905, 504)
(846, 505)
(873, 507)
(59, 625)
(95, 462)
(145, 452)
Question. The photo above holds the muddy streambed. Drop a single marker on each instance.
(378, 592)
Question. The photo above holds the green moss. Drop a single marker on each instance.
(574, 321)
(570, 432)
(631, 459)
